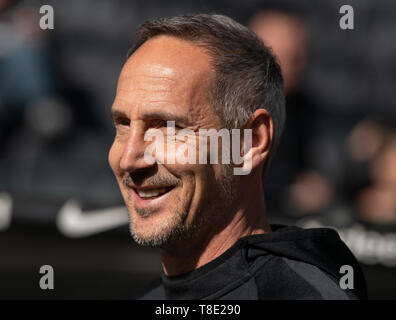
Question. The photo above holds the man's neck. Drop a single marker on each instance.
(248, 218)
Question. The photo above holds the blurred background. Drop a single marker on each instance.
(59, 202)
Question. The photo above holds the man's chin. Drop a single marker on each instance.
(156, 229)
(145, 240)
(150, 239)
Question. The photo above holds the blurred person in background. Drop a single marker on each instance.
(371, 177)
(293, 187)
(26, 76)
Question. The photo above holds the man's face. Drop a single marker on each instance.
(166, 79)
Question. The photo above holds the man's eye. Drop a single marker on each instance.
(172, 124)
(158, 123)
(121, 122)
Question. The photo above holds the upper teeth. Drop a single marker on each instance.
(151, 193)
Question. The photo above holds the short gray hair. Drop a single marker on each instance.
(247, 74)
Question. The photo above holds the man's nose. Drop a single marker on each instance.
(133, 151)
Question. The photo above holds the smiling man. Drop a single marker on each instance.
(203, 72)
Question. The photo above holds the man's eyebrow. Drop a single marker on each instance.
(168, 116)
(117, 114)
(165, 116)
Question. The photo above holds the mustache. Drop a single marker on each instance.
(146, 179)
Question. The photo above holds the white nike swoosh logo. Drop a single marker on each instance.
(75, 223)
(5, 211)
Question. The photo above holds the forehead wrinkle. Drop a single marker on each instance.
(146, 97)
(132, 92)
(151, 109)
(152, 94)
(159, 77)
(134, 77)
(146, 86)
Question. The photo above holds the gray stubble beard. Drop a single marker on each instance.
(176, 231)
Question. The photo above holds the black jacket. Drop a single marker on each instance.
(288, 263)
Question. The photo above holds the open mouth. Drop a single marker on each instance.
(148, 194)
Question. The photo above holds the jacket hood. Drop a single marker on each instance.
(321, 247)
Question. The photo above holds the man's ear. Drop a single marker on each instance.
(261, 124)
